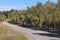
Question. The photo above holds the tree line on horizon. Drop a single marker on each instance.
(47, 14)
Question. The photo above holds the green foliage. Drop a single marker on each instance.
(47, 14)
(13, 16)
(41, 20)
(2, 17)
(21, 19)
(34, 20)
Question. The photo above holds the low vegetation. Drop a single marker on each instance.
(7, 33)
(2, 17)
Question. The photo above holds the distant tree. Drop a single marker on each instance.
(34, 20)
(2, 17)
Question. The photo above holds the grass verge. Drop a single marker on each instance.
(7, 33)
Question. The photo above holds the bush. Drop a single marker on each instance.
(2, 17)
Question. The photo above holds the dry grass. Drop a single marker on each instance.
(7, 33)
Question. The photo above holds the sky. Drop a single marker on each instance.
(19, 4)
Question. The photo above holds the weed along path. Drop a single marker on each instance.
(34, 34)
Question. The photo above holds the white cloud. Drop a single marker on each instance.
(11, 7)
(7, 7)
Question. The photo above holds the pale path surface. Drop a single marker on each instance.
(32, 34)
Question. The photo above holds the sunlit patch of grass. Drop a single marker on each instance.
(7, 33)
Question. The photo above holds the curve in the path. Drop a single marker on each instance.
(34, 34)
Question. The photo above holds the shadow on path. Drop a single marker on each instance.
(34, 28)
(48, 34)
